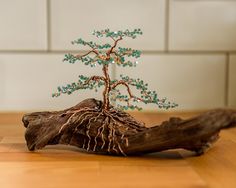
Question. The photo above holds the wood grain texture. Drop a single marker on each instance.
(66, 166)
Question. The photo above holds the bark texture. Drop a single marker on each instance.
(88, 126)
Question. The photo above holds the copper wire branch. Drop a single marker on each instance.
(112, 48)
(122, 82)
(91, 51)
(95, 78)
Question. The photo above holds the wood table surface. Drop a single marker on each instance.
(69, 167)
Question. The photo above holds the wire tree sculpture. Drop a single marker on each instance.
(99, 127)
(106, 55)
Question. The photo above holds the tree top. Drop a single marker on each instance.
(117, 34)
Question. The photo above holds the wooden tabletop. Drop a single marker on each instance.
(69, 167)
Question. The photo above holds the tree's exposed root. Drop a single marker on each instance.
(110, 131)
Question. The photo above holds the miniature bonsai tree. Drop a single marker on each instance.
(99, 127)
(106, 55)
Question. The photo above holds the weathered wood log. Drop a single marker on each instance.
(115, 132)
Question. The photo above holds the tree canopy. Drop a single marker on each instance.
(105, 55)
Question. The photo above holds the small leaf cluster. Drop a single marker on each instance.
(121, 60)
(129, 52)
(81, 84)
(138, 83)
(91, 44)
(115, 95)
(123, 63)
(147, 96)
(129, 107)
(87, 60)
(116, 34)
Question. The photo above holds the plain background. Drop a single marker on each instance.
(189, 49)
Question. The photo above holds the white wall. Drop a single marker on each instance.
(189, 49)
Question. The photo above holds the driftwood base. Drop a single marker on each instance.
(115, 132)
